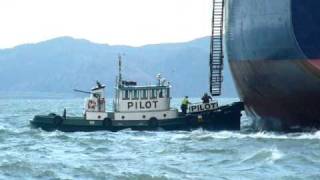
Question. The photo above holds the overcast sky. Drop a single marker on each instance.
(130, 22)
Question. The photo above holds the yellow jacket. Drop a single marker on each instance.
(185, 102)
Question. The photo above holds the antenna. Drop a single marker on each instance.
(120, 64)
(159, 79)
(120, 70)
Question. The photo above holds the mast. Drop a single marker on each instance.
(120, 70)
(118, 85)
(216, 48)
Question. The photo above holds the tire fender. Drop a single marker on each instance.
(153, 122)
(189, 120)
(57, 121)
(107, 122)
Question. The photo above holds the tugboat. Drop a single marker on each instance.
(142, 108)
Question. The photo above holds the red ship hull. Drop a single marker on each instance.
(280, 94)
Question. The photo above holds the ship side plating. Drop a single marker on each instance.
(273, 48)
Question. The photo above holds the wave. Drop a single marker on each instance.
(265, 155)
(201, 134)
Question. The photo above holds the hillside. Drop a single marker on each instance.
(62, 64)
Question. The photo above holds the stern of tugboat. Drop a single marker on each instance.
(212, 117)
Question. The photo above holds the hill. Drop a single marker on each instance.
(62, 64)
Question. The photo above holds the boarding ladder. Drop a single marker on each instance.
(216, 48)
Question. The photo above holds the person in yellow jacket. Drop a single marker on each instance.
(184, 104)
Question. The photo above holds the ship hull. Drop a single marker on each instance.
(279, 95)
(223, 118)
(273, 49)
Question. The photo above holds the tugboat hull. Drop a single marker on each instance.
(223, 118)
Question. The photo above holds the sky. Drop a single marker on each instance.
(114, 22)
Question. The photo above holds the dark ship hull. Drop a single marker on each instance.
(273, 47)
(223, 118)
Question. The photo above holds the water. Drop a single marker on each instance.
(27, 153)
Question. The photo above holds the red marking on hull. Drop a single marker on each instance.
(285, 91)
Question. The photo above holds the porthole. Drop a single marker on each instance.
(122, 117)
(144, 116)
(164, 115)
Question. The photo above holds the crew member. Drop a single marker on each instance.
(184, 105)
(99, 84)
(206, 98)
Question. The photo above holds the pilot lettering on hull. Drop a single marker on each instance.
(202, 107)
(140, 105)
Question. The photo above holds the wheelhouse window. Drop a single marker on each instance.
(135, 94)
(165, 93)
(161, 95)
(153, 93)
(144, 94)
(125, 94)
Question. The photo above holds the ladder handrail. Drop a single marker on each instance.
(216, 48)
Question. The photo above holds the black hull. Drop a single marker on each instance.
(224, 118)
(273, 47)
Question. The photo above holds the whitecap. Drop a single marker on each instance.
(202, 134)
(276, 154)
(265, 155)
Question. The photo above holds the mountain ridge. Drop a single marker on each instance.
(65, 63)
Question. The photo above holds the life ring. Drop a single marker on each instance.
(57, 121)
(153, 123)
(107, 123)
(92, 104)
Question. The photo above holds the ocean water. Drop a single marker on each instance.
(27, 153)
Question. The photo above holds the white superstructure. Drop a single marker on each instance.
(95, 105)
(132, 102)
